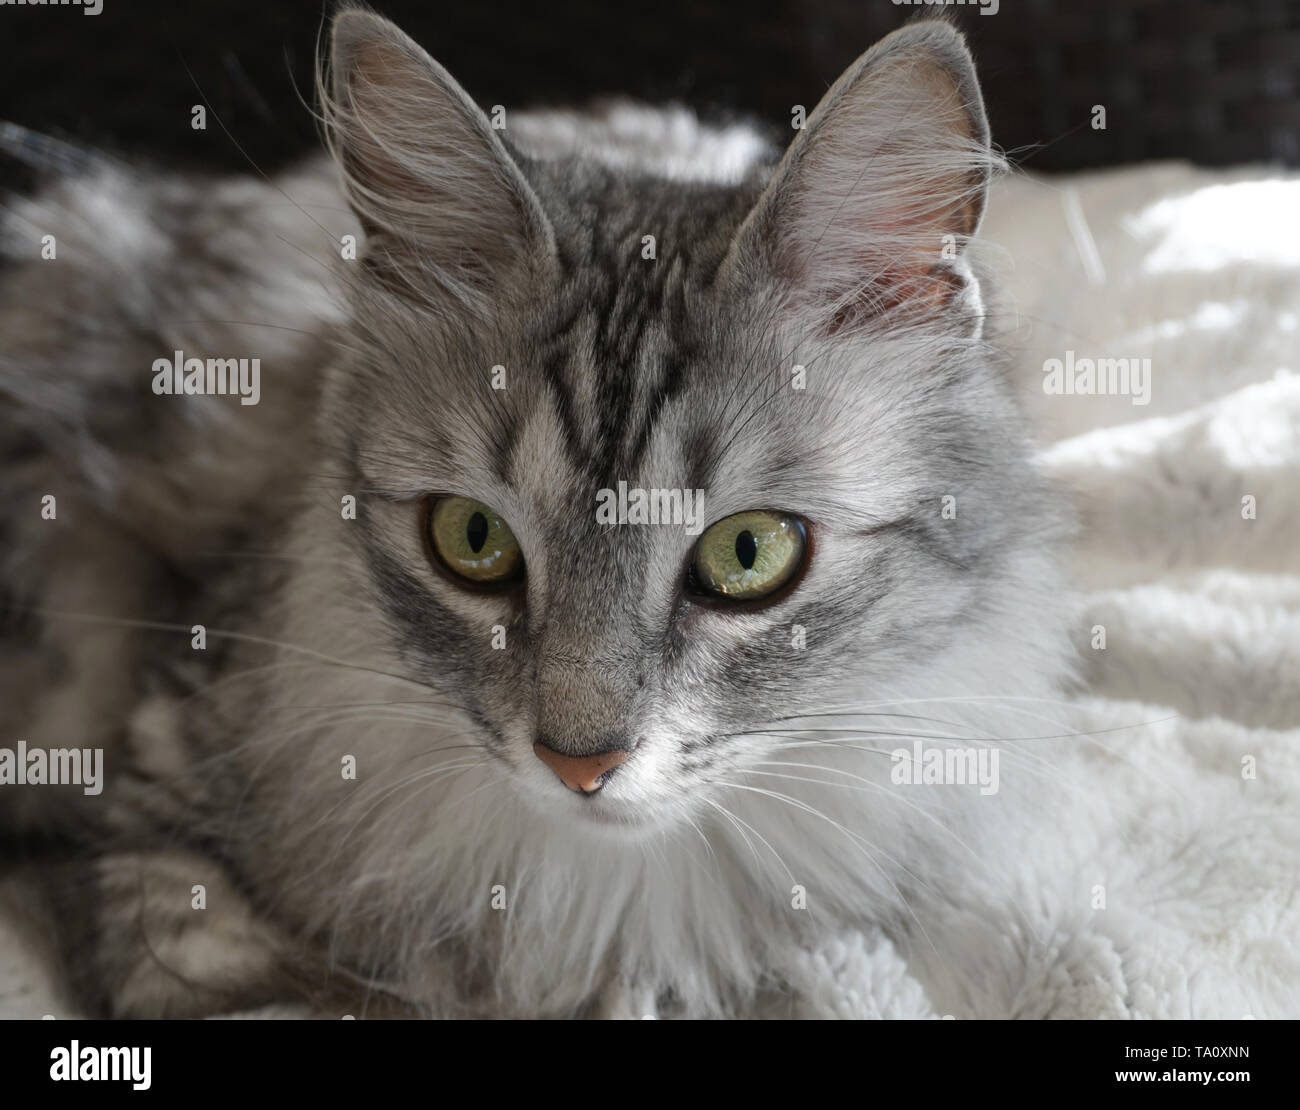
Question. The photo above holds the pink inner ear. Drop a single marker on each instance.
(888, 263)
(891, 171)
(908, 293)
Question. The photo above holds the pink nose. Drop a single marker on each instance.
(583, 774)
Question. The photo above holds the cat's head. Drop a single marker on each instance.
(795, 361)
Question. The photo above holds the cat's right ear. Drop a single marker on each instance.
(438, 194)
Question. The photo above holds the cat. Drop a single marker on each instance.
(395, 722)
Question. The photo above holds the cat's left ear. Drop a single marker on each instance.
(870, 211)
(436, 189)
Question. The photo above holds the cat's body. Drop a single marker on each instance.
(451, 873)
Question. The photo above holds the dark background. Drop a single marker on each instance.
(1213, 81)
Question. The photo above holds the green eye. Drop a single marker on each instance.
(749, 555)
(473, 542)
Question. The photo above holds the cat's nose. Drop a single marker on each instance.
(583, 774)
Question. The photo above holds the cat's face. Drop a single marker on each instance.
(795, 364)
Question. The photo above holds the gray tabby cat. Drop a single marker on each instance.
(449, 741)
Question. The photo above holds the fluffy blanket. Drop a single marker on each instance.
(1168, 887)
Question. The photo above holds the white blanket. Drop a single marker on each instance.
(1171, 885)
(1171, 888)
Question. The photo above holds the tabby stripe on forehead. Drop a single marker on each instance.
(552, 365)
(671, 381)
(672, 378)
(626, 343)
(613, 364)
(552, 368)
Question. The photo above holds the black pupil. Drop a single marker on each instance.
(746, 549)
(476, 532)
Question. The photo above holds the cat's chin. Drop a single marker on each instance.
(613, 818)
(616, 820)
(619, 819)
